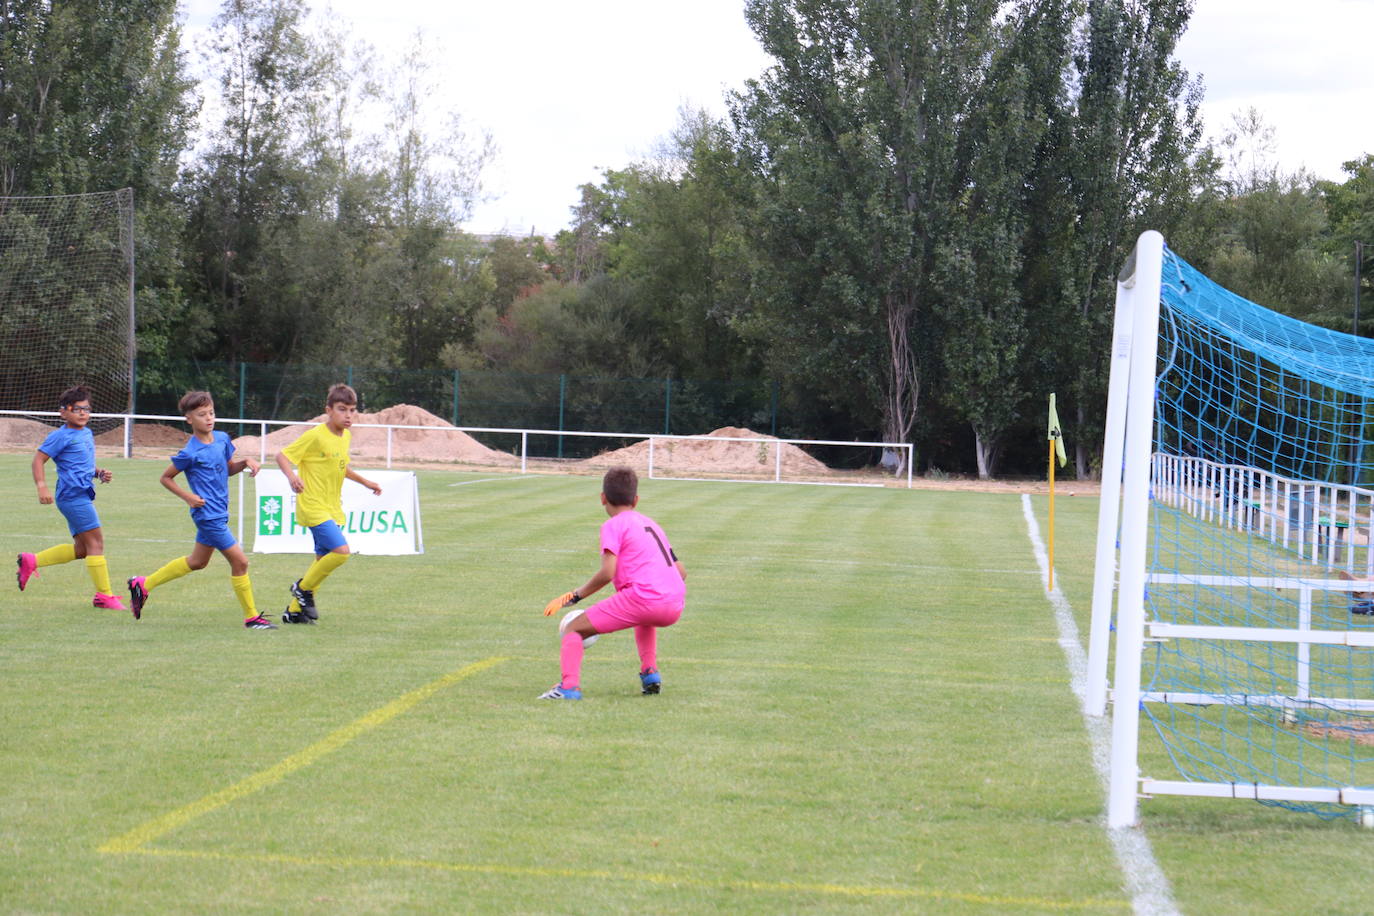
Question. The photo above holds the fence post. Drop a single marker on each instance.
(774, 430)
(350, 376)
(667, 404)
(455, 397)
(243, 392)
(562, 396)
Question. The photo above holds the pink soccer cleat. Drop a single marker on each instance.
(108, 602)
(138, 595)
(28, 566)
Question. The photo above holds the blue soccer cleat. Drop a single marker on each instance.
(650, 682)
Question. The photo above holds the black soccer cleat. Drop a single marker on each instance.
(290, 616)
(306, 599)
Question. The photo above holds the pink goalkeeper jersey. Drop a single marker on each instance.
(644, 561)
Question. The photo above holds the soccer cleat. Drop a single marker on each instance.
(306, 599)
(650, 681)
(28, 568)
(138, 595)
(108, 602)
(557, 692)
(259, 623)
(290, 616)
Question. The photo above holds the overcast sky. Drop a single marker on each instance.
(568, 88)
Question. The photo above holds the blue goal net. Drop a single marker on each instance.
(1257, 672)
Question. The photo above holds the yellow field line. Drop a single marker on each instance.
(145, 833)
(779, 887)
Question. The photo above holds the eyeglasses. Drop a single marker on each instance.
(74, 409)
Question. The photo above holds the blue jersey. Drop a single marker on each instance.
(206, 466)
(73, 451)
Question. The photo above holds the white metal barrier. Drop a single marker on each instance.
(1322, 522)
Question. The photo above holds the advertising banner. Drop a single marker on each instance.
(388, 525)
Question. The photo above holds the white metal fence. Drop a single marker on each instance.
(1326, 524)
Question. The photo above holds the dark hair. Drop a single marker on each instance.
(74, 395)
(340, 394)
(620, 486)
(194, 400)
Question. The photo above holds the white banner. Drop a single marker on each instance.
(388, 524)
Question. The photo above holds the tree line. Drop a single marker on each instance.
(911, 221)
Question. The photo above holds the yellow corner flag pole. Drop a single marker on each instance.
(1056, 436)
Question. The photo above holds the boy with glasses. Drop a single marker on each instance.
(71, 447)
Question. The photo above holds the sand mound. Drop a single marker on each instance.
(150, 435)
(444, 444)
(16, 432)
(717, 455)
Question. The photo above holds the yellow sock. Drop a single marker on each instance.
(173, 570)
(99, 572)
(321, 568)
(62, 553)
(243, 590)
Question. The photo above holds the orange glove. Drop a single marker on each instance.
(561, 602)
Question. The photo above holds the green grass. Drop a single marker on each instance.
(865, 709)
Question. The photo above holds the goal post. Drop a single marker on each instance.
(1234, 536)
(67, 299)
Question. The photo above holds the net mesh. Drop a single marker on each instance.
(1260, 518)
(66, 274)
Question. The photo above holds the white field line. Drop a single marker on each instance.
(464, 483)
(1146, 883)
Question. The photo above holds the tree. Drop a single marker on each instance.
(1122, 153)
(983, 316)
(1350, 213)
(852, 138)
(1269, 242)
(94, 97)
(247, 193)
(434, 179)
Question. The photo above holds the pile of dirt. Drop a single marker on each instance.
(444, 443)
(18, 433)
(716, 455)
(146, 435)
(1360, 731)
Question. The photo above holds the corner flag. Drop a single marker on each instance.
(1056, 450)
(1057, 434)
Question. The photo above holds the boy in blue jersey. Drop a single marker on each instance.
(72, 448)
(208, 461)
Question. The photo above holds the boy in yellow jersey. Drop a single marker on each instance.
(321, 457)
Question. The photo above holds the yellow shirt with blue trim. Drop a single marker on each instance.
(321, 459)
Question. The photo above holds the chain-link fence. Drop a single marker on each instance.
(505, 400)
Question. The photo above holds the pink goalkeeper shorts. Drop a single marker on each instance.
(623, 610)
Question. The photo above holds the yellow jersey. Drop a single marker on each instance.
(321, 459)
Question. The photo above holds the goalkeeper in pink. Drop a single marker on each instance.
(650, 589)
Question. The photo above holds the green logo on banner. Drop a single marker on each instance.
(270, 515)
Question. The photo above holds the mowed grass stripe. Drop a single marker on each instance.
(673, 880)
(165, 824)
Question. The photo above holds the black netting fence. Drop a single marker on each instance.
(505, 400)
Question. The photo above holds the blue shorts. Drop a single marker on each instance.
(214, 532)
(79, 513)
(328, 537)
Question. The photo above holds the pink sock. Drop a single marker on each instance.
(570, 658)
(646, 640)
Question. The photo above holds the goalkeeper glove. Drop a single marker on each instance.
(561, 602)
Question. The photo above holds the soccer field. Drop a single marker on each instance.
(866, 708)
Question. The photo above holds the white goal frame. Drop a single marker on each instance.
(1128, 462)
